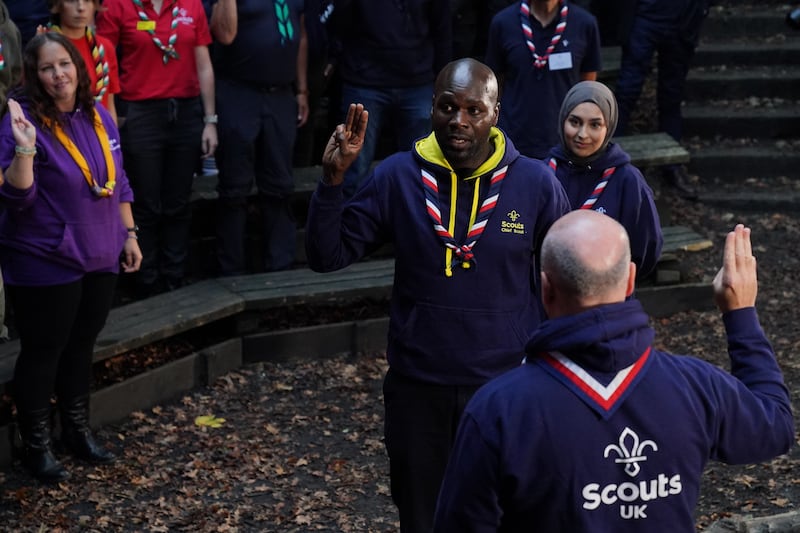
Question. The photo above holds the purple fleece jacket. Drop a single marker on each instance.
(58, 230)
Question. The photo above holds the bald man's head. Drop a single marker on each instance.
(468, 73)
(586, 259)
(464, 111)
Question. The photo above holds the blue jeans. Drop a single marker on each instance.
(406, 109)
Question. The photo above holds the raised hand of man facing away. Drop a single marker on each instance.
(736, 283)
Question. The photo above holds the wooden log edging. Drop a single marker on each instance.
(171, 380)
(779, 523)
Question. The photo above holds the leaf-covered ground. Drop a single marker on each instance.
(296, 447)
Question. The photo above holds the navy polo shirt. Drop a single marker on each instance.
(260, 54)
(531, 97)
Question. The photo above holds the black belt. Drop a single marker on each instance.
(265, 89)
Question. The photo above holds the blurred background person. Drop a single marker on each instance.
(539, 49)
(10, 75)
(388, 54)
(75, 19)
(670, 29)
(167, 81)
(67, 217)
(11, 53)
(261, 62)
(28, 15)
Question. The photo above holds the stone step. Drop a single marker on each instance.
(751, 52)
(782, 202)
(738, 118)
(746, 21)
(776, 81)
(740, 162)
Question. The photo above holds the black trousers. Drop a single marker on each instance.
(161, 144)
(257, 130)
(58, 326)
(420, 428)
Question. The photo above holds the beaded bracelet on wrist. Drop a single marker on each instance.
(25, 151)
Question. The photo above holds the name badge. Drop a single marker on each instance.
(146, 25)
(560, 61)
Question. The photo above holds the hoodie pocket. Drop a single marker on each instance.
(463, 334)
(91, 246)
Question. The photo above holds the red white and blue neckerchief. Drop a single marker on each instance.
(478, 218)
(540, 61)
(604, 399)
(598, 189)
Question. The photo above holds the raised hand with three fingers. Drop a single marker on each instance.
(344, 145)
(20, 173)
(24, 131)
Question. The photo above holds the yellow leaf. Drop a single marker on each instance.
(209, 421)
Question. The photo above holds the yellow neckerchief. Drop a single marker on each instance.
(428, 148)
(102, 136)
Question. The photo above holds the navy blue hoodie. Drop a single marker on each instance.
(627, 199)
(469, 326)
(600, 432)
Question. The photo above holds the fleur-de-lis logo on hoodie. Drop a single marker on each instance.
(630, 451)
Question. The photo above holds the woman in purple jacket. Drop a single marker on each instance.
(66, 220)
(597, 174)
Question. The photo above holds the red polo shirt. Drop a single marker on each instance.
(143, 73)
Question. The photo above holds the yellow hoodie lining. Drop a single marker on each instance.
(428, 148)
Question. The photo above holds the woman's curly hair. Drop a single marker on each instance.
(41, 105)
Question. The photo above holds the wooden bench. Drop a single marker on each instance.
(163, 316)
(646, 150)
(653, 149)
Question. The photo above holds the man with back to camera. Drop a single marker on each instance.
(466, 214)
(598, 430)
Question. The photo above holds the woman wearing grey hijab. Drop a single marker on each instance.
(597, 174)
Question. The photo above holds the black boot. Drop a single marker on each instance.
(75, 433)
(37, 454)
